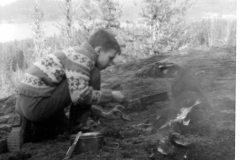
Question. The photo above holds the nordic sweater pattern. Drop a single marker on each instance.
(75, 65)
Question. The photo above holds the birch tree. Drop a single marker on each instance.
(39, 38)
(165, 19)
(111, 12)
(68, 8)
(95, 14)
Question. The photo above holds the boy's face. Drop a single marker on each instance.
(105, 58)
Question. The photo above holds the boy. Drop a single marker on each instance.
(66, 77)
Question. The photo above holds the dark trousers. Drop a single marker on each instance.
(39, 109)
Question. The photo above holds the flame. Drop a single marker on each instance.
(182, 115)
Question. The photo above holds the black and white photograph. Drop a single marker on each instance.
(118, 80)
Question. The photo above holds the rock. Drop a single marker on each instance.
(159, 69)
(179, 140)
(165, 147)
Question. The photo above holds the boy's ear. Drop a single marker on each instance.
(98, 50)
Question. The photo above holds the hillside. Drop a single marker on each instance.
(211, 138)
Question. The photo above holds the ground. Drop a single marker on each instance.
(214, 69)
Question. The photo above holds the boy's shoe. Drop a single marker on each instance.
(16, 137)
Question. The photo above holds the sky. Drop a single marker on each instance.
(4, 2)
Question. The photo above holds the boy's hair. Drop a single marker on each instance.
(104, 39)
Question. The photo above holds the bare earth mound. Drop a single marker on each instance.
(211, 137)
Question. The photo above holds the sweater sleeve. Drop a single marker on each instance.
(77, 70)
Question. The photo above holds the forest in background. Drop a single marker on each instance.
(21, 10)
(161, 29)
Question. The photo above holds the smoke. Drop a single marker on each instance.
(181, 116)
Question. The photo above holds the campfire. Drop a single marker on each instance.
(181, 116)
(166, 144)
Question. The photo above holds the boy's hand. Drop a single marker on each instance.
(116, 113)
(118, 96)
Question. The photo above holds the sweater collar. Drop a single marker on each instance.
(90, 49)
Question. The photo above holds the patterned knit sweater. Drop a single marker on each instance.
(74, 64)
